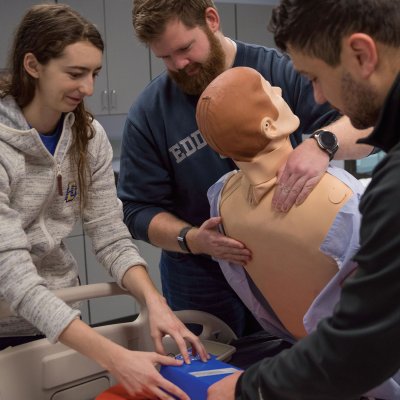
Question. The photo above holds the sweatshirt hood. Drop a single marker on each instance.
(15, 130)
(11, 115)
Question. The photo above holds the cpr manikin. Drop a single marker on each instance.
(242, 117)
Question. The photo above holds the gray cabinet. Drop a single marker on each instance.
(125, 69)
(11, 13)
(255, 31)
(227, 14)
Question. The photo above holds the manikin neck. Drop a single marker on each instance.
(264, 167)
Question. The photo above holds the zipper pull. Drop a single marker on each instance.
(59, 182)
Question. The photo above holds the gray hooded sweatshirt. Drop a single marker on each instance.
(39, 206)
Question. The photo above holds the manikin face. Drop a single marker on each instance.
(63, 82)
(193, 56)
(337, 85)
(287, 122)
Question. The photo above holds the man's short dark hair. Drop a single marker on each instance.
(317, 27)
(150, 17)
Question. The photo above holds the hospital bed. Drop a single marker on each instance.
(40, 370)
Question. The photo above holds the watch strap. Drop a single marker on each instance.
(330, 151)
(181, 238)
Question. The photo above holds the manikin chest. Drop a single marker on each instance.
(287, 265)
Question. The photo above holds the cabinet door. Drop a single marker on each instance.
(228, 19)
(128, 61)
(228, 27)
(11, 13)
(255, 31)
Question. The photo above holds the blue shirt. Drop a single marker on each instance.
(51, 141)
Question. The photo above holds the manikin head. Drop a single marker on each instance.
(240, 114)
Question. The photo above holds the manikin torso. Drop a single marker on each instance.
(287, 265)
(243, 117)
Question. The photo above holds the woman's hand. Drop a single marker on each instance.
(163, 321)
(137, 372)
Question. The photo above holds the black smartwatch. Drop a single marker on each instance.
(181, 238)
(327, 141)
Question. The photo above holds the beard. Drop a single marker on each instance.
(360, 102)
(206, 72)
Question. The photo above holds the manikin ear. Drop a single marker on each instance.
(31, 65)
(360, 50)
(212, 19)
(268, 128)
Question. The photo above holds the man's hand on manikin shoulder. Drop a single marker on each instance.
(307, 164)
(300, 174)
(208, 240)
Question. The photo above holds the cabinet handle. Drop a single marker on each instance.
(104, 100)
(113, 99)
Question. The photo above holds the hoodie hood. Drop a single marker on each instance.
(15, 130)
(11, 115)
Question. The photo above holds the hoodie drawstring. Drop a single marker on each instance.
(59, 181)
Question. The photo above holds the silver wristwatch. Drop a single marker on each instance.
(327, 141)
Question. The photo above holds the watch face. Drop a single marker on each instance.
(328, 139)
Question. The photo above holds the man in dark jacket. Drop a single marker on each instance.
(350, 50)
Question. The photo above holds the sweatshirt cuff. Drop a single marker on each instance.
(140, 228)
